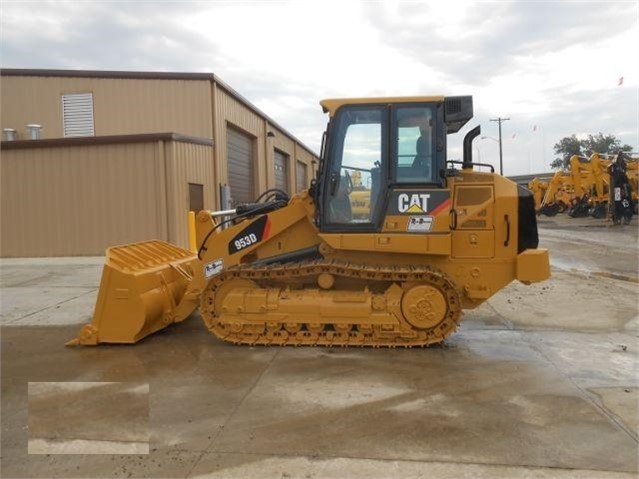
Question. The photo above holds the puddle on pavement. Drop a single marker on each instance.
(484, 397)
(573, 266)
(88, 418)
(426, 405)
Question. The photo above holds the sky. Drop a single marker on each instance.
(553, 68)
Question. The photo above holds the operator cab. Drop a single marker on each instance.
(386, 146)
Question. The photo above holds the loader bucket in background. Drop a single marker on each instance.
(141, 286)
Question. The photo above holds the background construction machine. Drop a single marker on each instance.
(584, 190)
(433, 236)
(360, 196)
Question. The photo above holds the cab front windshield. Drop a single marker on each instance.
(360, 156)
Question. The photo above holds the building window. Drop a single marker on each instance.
(77, 115)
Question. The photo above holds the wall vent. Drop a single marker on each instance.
(77, 114)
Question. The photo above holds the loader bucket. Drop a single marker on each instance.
(141, 286)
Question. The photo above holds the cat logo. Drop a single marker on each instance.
(413, 203)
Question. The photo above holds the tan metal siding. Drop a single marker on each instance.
(77, 200)
(28, 100)
(143, 106)
(121, 106)
(134, 104)
(186, 163)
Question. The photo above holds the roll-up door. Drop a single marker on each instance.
(301, 176)
(281, 171)
(240, 164)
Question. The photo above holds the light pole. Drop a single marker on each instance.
(496, 141)
(501, 157)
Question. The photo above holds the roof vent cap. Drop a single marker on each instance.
(9, 134)
(33, 131)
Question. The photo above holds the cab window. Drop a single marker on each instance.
(354, 183)
(414, 161)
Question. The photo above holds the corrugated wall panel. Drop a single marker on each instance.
(181, 106)
(127, 106)
(121, 106)
(24, 101)
(186, 163)
(78, 200)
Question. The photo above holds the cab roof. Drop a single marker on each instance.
(331, 105)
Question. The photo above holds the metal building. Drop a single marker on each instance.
(92, 158)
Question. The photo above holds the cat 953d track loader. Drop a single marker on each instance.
(436, 236)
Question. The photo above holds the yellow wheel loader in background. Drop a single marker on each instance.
(437, 236)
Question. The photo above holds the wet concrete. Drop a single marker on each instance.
(71, 417)
(590, 245)
(541, 381)
(490, 397)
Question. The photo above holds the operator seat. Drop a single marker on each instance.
(339, 207)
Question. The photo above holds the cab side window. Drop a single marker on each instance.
(415, 134)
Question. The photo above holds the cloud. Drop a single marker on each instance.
(554, 64)
(101, 35)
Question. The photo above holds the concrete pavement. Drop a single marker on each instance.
(541, 381)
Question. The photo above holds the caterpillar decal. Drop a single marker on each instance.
(254, 233)
(418, 202)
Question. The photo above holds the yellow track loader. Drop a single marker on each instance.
(434, 236)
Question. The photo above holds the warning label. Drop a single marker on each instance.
(420, 223)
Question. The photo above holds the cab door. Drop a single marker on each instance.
(418, 205)
(354, 184)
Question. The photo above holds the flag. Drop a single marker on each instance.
(534, 127)
(620, 81)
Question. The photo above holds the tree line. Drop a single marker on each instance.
(599, 143)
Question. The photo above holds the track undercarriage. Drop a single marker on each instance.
(331, 304)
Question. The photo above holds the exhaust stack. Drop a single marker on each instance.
(468, 147)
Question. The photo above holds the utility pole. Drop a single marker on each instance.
(501, 157)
